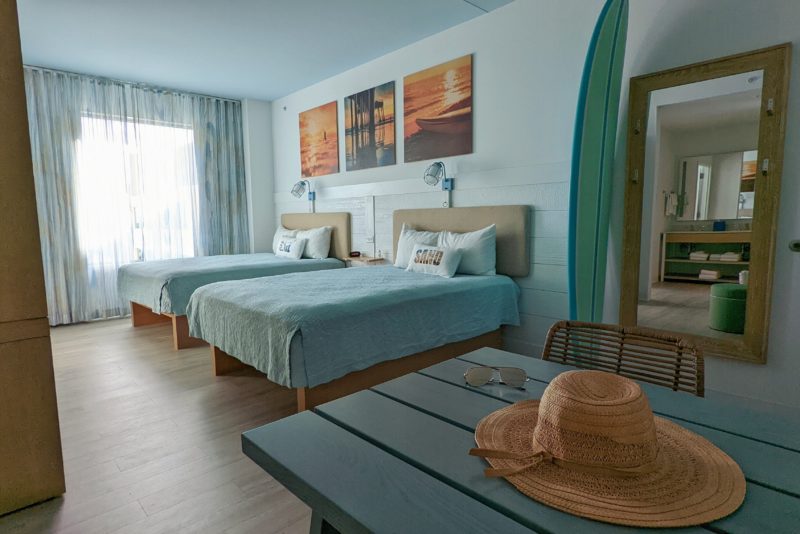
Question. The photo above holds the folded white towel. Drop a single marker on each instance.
(698, 256)
(731, 256)
(714, 257)
(708, 274)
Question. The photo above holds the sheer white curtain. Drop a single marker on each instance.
(128, 173)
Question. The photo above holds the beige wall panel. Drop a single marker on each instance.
(21, 277)
(31, 467)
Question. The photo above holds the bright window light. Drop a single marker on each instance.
(136, 191)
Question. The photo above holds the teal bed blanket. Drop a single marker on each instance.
(166, 285)
(302, 330)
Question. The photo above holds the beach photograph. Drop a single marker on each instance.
(437, 107)
(319, 141)
(369, 128)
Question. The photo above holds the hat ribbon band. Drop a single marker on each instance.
(539, 455)
(536, 457)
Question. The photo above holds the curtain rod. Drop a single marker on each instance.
(140, 85)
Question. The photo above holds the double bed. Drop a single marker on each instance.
(330, 333)
(159, 291)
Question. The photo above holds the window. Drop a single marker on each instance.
(136, 192)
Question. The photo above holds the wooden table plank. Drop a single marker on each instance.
(452, 371)
(762, 421)
(770, 466)
(456, 405)
(764, 511)
(762, 463)
(406, 441)
(773, 466)
(440, 449)
(358, 487)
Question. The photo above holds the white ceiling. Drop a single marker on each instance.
(718, 102)
(714, 112)
(237, 48)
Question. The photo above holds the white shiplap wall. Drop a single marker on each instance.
(525, 92)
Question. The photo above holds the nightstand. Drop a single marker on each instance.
(364, 261)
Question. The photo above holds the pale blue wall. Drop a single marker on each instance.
(670, 33)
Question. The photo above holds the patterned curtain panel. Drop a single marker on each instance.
(127, 173)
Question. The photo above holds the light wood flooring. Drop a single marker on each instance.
(680, 307)
(151, 440)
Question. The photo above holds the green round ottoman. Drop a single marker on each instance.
(727, 307)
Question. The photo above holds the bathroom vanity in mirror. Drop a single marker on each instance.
(705, 151)
(678, 265)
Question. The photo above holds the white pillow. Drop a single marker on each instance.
(290, 247)
(408, 239)
(434, 260)
(279, 233)
(479, 248)
(318, 242)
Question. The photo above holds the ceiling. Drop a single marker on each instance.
(713, 103)
(237, 48)
(714, 112)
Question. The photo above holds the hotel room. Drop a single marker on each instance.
(380, 266)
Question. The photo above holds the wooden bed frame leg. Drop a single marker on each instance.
(302, 398)
(223, 363)
(143, 316)
(180, 334)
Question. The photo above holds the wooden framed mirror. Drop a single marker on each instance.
(704, 162)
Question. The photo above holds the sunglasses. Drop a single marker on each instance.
(510, 376)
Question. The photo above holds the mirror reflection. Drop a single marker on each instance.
(714, 186)
(701, 162)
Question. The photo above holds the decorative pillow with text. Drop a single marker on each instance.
(430, 259)
(290, 247)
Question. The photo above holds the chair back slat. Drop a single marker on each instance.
(644, 354)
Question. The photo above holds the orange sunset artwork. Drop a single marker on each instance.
(319, 141)
(438, 111)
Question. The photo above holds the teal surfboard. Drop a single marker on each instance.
(592, 162)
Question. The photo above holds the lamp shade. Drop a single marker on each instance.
(434, 173)
(299, 188)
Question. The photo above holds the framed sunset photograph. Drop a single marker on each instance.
(369, 128)
(437, 107)
(319, 141)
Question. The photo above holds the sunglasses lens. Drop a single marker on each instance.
(478, 376)
(513, 376)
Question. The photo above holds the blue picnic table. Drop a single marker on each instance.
(394, 458)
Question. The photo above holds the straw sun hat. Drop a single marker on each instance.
(591, 447)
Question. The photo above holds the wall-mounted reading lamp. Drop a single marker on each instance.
(300, 187)
(436, 173)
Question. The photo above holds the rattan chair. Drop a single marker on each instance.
(639, 353)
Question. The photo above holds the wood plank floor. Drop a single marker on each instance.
(680, 307)
(151, 440)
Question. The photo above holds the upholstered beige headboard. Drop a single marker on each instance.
(340, 237)
(513, 241)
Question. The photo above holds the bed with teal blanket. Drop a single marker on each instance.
(304, 330)
(165, 286)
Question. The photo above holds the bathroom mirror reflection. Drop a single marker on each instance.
(703, 140)
(704, 153)
(714, 186)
